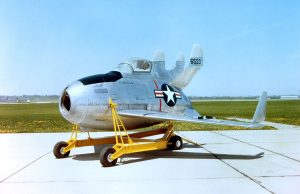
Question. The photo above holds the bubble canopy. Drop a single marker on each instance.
(135, 65)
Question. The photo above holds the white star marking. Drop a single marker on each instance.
(170, 95)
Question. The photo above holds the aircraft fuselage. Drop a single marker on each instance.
(86, 103)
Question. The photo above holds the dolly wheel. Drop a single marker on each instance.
(175, 143)
(105, 157)
(58, 150)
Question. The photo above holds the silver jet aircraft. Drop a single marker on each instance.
(146, 94)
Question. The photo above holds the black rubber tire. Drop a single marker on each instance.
(57, 150)
(175, 143)
(104, 157)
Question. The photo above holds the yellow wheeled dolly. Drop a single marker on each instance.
(124, 143)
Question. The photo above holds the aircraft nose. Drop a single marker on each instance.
(72, 103)
(65, 101)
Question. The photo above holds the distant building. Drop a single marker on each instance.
(291, 97)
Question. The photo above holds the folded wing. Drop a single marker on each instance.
(259, 116)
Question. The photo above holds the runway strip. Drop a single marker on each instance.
(228, 159)
(256, 146)
(244, 174)
(25, 167)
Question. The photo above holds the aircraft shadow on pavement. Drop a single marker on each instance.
(150, 155)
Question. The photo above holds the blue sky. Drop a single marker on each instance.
(249, 46)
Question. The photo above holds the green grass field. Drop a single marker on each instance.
(23, 118)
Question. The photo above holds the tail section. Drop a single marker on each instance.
(196, 62)
(159, 63)
(260, 112)
(179, 63)
(179, 67)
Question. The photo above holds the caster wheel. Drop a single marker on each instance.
(105, 157)
(174, 143)
(58, 150)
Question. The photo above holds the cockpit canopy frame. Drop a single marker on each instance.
(135, 65)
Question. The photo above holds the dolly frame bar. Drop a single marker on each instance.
(73, 142)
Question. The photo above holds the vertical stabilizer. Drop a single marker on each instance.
(179, 67)
(179, 63)
(159, 62)
(159, 56)
(196, 62)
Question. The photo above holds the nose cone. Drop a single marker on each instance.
(73, 103)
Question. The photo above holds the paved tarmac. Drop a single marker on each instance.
(229, 162)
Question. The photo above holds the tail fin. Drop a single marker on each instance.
(159, 63)
(179, 63)
(260, 112)
(196, 62)
(179, 67)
